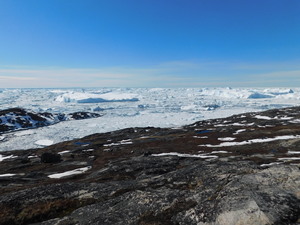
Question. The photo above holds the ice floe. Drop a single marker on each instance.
(24, 132)
(44, 142)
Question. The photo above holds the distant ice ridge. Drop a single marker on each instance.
(247, 93)
(83, 97)
(134, 107)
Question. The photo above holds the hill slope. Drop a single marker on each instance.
(238, 170)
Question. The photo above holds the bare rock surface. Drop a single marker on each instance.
(238, 170)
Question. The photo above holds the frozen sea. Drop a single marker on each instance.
(133, 107)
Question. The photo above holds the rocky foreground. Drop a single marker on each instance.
(238, 170)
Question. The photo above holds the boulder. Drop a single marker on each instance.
(48, 157)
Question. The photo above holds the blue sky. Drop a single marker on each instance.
(149, 43)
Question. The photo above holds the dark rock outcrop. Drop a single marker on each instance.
(18, 118)
(238, 170)
(48, 157)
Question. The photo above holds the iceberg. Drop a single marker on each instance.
(259, 95)
(281, 92)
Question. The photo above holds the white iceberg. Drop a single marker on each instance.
(259, 95)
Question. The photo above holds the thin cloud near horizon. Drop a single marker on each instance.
(168, 74)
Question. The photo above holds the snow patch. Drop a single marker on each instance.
(69, 173)
(286, 118)
(239, 131)
(226, 139)
(63, 152)
(8, 175)
(219, 152)
(202, 156)
(263, 117)
(293, 152)
(7, 157)
(295, 121)
(235, 124)
(270, 164)
(88, 150)
(123, 142)
(252, 141)
(289, 158)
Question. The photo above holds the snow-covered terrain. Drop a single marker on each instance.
(132, 107)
